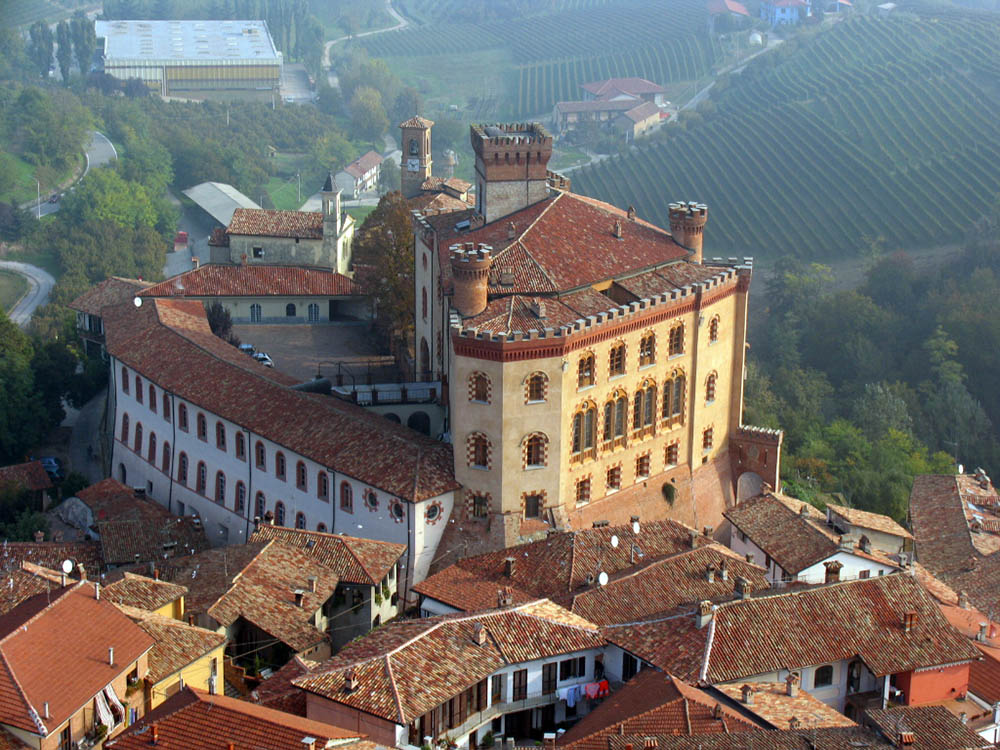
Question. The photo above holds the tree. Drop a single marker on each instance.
(64, 55)
(879, 409)
(51, 127)
(8, 173)
(40, 47)
(407, 104)
(135, 89)
(105, 196)
(84, 41)
(22, 413)
(221, 323)
(389, 177)
(368, 117)
(328, 99)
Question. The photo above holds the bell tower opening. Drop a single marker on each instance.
(416, 160)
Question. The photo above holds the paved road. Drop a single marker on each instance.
(400, 24)
(40, 283)
(84, 444)
(99, 151)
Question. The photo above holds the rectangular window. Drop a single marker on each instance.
(520, 684)
(532, 506)
(864, 574)
(614, 478)
(497, 690)
(673, 454)
(480, 507)
(241, 446)
(582, 491)
(642, 466)
(616, 361)
(707, 439)
(550, 673)
(573, 668)
(630, 667)
(258, 252)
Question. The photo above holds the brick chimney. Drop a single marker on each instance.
(311, 581)
(309, 743)
(617, 229)
(154, 733)
(508, 567)
(704, 614)
(724, 570)
(694, 538)
(742, 587)
(794, 723)
(299, 597)
(470, 268)
(479, 634)
(905, 739)
(833, 568)
(351, 680)
(909, 620)
(963, 600)
(505, 597)
(710, 573)
(649, 743)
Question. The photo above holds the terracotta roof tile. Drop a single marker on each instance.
(866, 520)
(254, 280)
(405, 669)
(643, 112)
(193, 720)
(437, 202)
(984, 676)
(630, 85)
(599, 105)
(112, 291)
(176, 644)
(364, 163)
(31, 476)
(933, 727)
(772, 703)
(835, 738)
(145, 593)
(208, 574)
(278, 692)
(353, 560)
(943, 540)
(672, 643)
(417, 122)
(267, 222)
(13, 555)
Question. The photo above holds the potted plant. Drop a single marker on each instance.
(100, 732)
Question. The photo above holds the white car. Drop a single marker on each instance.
(263, 359)
(247, 349)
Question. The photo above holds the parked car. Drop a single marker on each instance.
(54, 198)
(52, 466)
(263, 359)
(248, 349)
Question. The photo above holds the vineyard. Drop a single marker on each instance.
(877, 128)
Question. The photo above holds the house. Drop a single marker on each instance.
(886, 8)
(791, 540)
(301, 238)
(616, 89)
(638, 120)
(29, 477)
(361, 175)
(151, 594)
(632, 105)
(567, 116)
(195, 720)
(780, 705)
(500, 672)
(68, 658)
(253, 293)
(785, 12)
(981, 704)
(278, 692)
(183, 655)
(885, 535)
(114, 290)
(730, 9)
(853, 645)
(368, 575)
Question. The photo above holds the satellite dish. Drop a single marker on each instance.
(635, 527)
(67, 566)
(602, 578)
(614, 540)
(137, 301)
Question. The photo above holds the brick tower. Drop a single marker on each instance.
(415, 166)
(687, 225)
(511, 167)
(470, 269)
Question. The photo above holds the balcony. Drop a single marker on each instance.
(390, 393)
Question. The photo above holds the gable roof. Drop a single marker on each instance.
(417, 122)
(632, 85)
(353, 560)
(114, 290)
(937, 516)
(772, 704)
(34, 649)
(405, 669)
(175, 643)
(642, 112)
(727, 6)
(208, 575)
(596, 105)
(269, 222)
(254, 280)
(168, 341)
(363, 164)
(193, 720)
(653, 703)
(31, 476)
(932, 727)
(867, 520)
(145, 593)
(14, 555)
(984, 676)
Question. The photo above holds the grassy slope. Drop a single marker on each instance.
(12, 288)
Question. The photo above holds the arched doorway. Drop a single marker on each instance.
(392, 417)
(748, 485)
(122, 475)
(420, 421)
(425, 361)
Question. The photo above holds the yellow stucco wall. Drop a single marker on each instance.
(196, 675)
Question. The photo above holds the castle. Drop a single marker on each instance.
(593, 363)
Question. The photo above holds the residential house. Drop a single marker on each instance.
(183, 655)
(567, 116)
(982, 704)
(735, 13)
(278, 692)
(68, 657)
(254, 293)
(29, 477)
(785, 12)
(884, 534)
(852, 645)
(195, 720)
(779, 705)
(441, 194)
(460, 677)
(114, 290)
(617, 89)
(368, 573)
(151, 594)
(638, 121)
(791, 540)
(361, 175)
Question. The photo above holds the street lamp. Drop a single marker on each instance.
(38, 203)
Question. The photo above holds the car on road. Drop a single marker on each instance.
(54, 198)
(247, 349)
(263, 359)
(52, 465)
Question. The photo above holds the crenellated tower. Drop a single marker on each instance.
(687, 225)
(511, 167)
(470, 268)
(415, 166)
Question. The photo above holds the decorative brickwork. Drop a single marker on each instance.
(477, 504)
(613, 478)
(672, 455)
(533, 504)
(434, 513)
(536, 388)
(583, 489)
(479, 451)
(480, 388)
(535, 450)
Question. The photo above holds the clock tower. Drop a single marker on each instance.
(415, 164)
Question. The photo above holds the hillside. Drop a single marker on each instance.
(874, 129)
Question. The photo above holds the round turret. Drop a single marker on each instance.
(687, 225)
(470, 269)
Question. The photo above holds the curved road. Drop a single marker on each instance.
(99, 152)
(401, 23)
(40, 284)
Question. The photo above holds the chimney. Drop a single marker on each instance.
(981, 635)
(45, 710)
(311, 580)
(963, 717)
(792, 685)
(963, 600)
(804, 509)
(704, 614)
(649, 743)
(750, 557)
(470, 270)
(505, 597)
(111, 655)
(195, 261)
(832, 571)
(83, 571)
(97, 590)
(724, 570)
(39, 536)
(154, 733)
(351, 680)
(308, 743)
(865, 544)
(909, 620)
(707, 531)
(716, 711)
(710, 573)
(617, 231)
(156, 574)
(479, 634)
(191, 619)
(996, 712)
(694, 538)
(905, 739)
(742, 587)
(62, 579)
(631, 213)
(508, 567)
(794, 723)
(299, 596)
(687, 225)
(747, 692)
(511, 231)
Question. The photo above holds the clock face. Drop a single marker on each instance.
(413, 164)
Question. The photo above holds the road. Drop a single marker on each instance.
(40, 283)
(85, 441)
(99, 152)
(401, 23)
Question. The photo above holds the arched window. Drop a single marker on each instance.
(166, 408)
(425, 360)
(313, 312)
(125, 380)
(220, 436)
(479, 451)
(713, 330)
(300, 520)
(585, 371)
(259, 505)
(371, 499)
(201, 478)
(346, 497)
(241, 446)
(423, 302)
(323, 486)
(479, 387)
(673, 396)
(585, 428)
(301, 479)
(279, 465)
(279, 513)
(423, 259)
(534, 451)
(535, 388)
(202, 427)
(260, 455)
(710, 387)
(615, 416)
(321, 528)
(290, 310)
(823, 676)
(255, 313)
(152, 398)
(414, 147)
(138, 437)
(241, 498)
(676, 345)
(182, 417)
(616, 360)
(151, 453)
(182, 469)
(165, 461)
(220, 487)
(124, 435)
(644, 406)
(647, 349)
(138, 389)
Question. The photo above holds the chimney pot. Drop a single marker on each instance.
(710, 573)
(704, 615)
(794, 723)
(311, 580)
(963, 717)
(804, 509)
(299, 596)
(724, 570)
(191, 619)
(747, 692)
(694, 538)
(708, 531)
(618, 229)
(505, 597)
(963, 600)
(156, 574)
(97, 590)
(909, 620)
(83, 571)
(742, 587)
(154, 733)
(62, 579)
(308, 742)
(45, 709)
(792, 685)
(479, 634)
(111, 655)
(351, 681)
(981, 635)
(508, 567)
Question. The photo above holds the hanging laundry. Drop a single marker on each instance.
(592, 689)
(563, 694)
(603, 688)
(574, 695)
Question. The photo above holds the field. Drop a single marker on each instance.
(877, 130)
(24, 188)
(12, 288)
(26, 12)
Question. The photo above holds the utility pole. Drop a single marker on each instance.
(38, 203)
(227, 116)
(298, 176)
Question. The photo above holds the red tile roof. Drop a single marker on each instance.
(278, 692)
(598, 105)
(933, 727)
(112, 291)
(14, 555)
(353, 560)
(773, 704)
(145, 593)
(984, 676)
(176, 644)
(727, 6)
(30, 476)
(208, 574)
(363, 164)
(254, 280)
(417, 122)
(865, 520)
(436, 202)
(266, 222)
(405, 669)
(672, 643)
(52, 636)
(642, 112)
(169, 343)
(653, 703)
(193, 720)
(634, 86)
